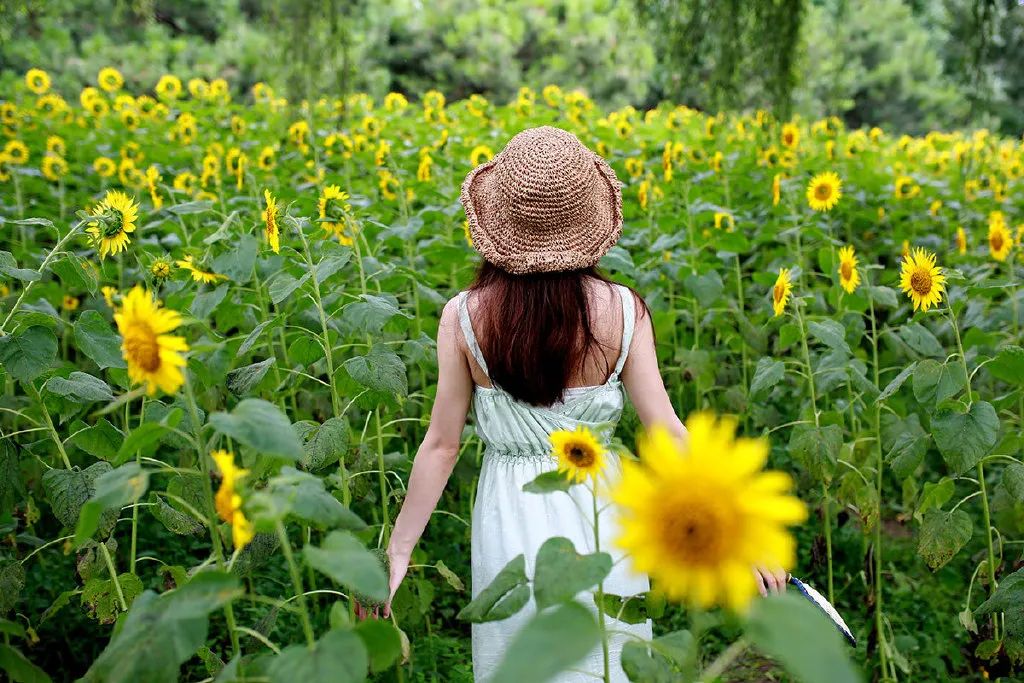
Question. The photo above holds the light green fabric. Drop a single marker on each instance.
(512, 428)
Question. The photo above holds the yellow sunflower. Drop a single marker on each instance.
(110, 79)
(781, 291)
(906, 188)
(153, 356)
(1000, 240)
(921, 279)
(119, 212)
(849, 276)
(790, 135)
(700, 517)
(824, 191)
(109, 293)
(69, 303)
(54, 167)
(333, 208)
(37, 80)
(198, 273)
(480, 154)
(160, 269)
(228, 502)
(580, 455)
(16, 152)
(266, 160)
(269, 217)
(777, 189)
(168, 87)
(961, 240)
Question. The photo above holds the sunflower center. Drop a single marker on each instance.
(699, 530)
(778, 292)
(921, 282)
(580, 457)
(141, 347)
(996, 240)
(846, 270)
(822, 192)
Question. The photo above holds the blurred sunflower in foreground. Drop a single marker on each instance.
(698, 517)
(153, 356)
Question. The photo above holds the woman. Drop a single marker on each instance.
(539, 342)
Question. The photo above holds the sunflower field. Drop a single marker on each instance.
(217, 325)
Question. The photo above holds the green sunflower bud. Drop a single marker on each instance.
(365, 601)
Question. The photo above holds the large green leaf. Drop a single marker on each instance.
(241, 381)
(920, 339)
(382, 640)
(161, 632)
(943, 534)
(552, 641)
(381, 370)
(797, 634)
(95, 338)
(345, 559)
(18, 667)
(74, 274)
(80, 387)
(9, 267)
(666, 659)
(934, 382)
(206, 302)
(817, 449)
(113, 490)
(27, 353)
(260, 425)
(507, 594)
(1009, 599)
(284, 285)
(100, 440)
(766, 375)
(302, 496)
(896, 382)
(1008, 365)
(831, 334)
(12, 582)
(326, 444)
(338, 657)
(561, 572)
(68, 491)
(906, 443)
(548, 482)
(964, 438)
(369, 315)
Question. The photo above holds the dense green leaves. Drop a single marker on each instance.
(570, 627)
(98, 341)
(561, 572)
(260, 425)
(27, 353)
(346, 560)
(504, 596)
(338, 657)
(965, 437)
(943, 534)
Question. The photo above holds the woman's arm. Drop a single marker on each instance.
(439, 450)
(642, 379)
(643, 382)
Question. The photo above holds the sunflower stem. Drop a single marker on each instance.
(135, 507)
(600, 585)
(49, 424)
(723, 660)
(113, 576)
(293, 570)
(877, 554)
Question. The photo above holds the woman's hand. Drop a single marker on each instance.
(773, 580)
(398, 562)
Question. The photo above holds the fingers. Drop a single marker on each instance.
(771, 580)
(760, 583)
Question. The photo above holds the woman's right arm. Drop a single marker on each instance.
(436, 457)
(643, 381)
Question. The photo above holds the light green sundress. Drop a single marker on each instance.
(508, 521)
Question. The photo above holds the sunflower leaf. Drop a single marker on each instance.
(507, 594)
(561, 573)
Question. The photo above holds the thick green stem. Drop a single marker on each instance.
(49, 425)
(42, 268)
(135, 508)
(879, 462)
(600, 588)
(113, 575)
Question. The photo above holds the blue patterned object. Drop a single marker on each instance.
(825, 606)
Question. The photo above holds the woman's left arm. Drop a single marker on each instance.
(438, 452)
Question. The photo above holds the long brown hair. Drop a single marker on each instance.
(541, 318)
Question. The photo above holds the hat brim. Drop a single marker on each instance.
(518, 250)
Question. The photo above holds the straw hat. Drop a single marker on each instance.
(544, 203)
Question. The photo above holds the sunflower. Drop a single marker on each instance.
(55, 145)
(54, 167)
(153, 356)
(269, 217)
(849, 276)
(580, 455)
(423, 169)
(961, 240)
(160, 269)
(699, 517)
(480, 154)
(1000, 240)
(266, 160)
(198, 273)
(108, 295)
(776, 189)
(824, 191)
(722, 218)
(228, 502)
(906, 188)
(168, 87)
(37, 80)
(16, 152)
(781, 291)
(333, 207)
(110, 79)
(921, 279)
(198, 88)
(467, 233)
(119, 213)
(104, 167)
(69, 303)
(634, 167)
(791, 135)
(935, 207)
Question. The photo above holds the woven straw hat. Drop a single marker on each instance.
(545, 203)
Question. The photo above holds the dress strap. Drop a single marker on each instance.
(467, 331)
(628, 322)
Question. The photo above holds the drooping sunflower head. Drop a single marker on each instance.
(117, 214)
(698, 516)
(921, 279)
(199, 272)
(781, 291)
(269, 217)
(153, 356)
(228, 502)
(580, 455)
(824, 191)
(1000, 240)
(849, 277)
